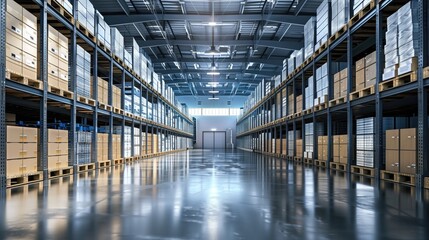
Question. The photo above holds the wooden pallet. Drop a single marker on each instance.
(103, 164)
(398, 81)
(362, 93)
(308, 161)
(85, 31)
(338, 166)
(86, 167)
(24, 80)
(337, 101)
(55, 173)
(320, 163)
(25, 179)
(356, 18)
(105, 106)
(403, 178)
(61, 10)
(297, 159)
(338, 34)
(104, 47)
(289, 158)
(322, 48)
(308, 111)
(60, 92)
(118, 59)
(364, 171)
(118, 161)
(127, 114)
(118, 111)
(86, 100)
(320, 107)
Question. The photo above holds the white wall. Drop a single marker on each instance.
(221, 123)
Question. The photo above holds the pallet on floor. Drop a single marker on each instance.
(86, 100)
(60, 92)
(61, 10)
(364, 171)
(118, 161)
(103, 164)
(308, 161)
(320, 163)
(362, 93)
(85, 31)
(24, 80)
(25, 179)
(55, 173)
(338, 166)
(403, 178)
(105, 106)
(297, 159)
(358, 16)
(86, 167)
(337, 101)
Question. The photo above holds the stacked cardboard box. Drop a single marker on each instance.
(284, 102)
(299, 147)
(83, 73)
(340, 83)
(322, 151)
(58, 145)
(340, 152)
(83, 151)
(340, 10)
(103, 146)
(116, 96)
(117, 42)
(322, 23)
(291, 62)
(365, 142)
(299, 104)
(308, 136)
(137, 142)
(322, 85)
(58, 75)
(21, 150)
(102, 91)
(127, 139)
(309, 93)
(366, 71)
(21, 41)
(117, 146)
(284, 146)
(86, 14)
(284, 69)
(143, 66)
(278, 144)
(391, 54)
(134, 49)
(309, 37)
(128, 59)
(359, 5)
(103, 29)
(401, 149)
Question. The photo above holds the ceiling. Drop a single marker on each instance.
(252, 37)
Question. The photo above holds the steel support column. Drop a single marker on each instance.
(3, 138)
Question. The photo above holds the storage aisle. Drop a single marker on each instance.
(213, 195)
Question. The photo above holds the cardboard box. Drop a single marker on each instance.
(343, 160)
(13, 39)
(408, 161)
(360, 77)
(336, 150)
(13, 59)
(344, 139)
(29, 165)
(344, 74)
(30, 135)
(370, 75)
(29, 35)
(336, 139)
(29, 19)
(52, 34)
(14, 151)
(53, 162)
(14, 168)
(14, 25)
(337, 77)
(392, 160)
(14, 134)
(360, 64)
(14, 9)
(29, 150)
(408, 139)
(392, 139)
(343, 150)
(336, 159)
(371, 58)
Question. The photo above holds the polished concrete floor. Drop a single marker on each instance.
(213, 195)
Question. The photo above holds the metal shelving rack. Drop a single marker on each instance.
(47, 12)
(279, 125)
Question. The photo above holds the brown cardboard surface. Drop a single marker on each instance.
(337, 77)
(336, 139)
(63, 64)
(360, 86)
(10, 118)
(29, 165)
(360, 77)
(52, 33)
(343, 160)
(29, 35)
(13, 59)
(408, 139)
(344, 73)
(53, 47)
(13, 39)
(320, 140)
(13, 167)
(360, 64)
(344, 139)
(14, 150)
(63, 136)
(370, 58)
(14, 9)
(62, 84)
(30, 135)
(408, 161)
(392, 160)
(14, 25)
(343, 150)
(392, 139)
(63, 161)
(63, 40)
(336, 150)
(53, 162)
(29, 150)
(370, 73)
(53, 70)
(29, 19)
(14, 134)
(63, 79)
(343, 85)
(336, 159)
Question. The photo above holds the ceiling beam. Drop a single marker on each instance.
(300, 6)
(124, 6)
(266, 73)
(286, 44)
(118, 20)
(183, 81)
(271, 61)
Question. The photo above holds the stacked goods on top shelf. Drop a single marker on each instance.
(57, 149)
(144, 66)
(128, 59)
(67, 5)
(285, 69)
(21, 41)
(86, 15)
(322, 85)
(402, 43)
(116, 96)
(21, 151)
(103, 29)
(58, 75)
(340, 9)
(299, 104)
(309, 37)
(117, 42)
(366, 71)
(133, 48)
(83, 151)
(359, 5)
(309, 93)
(365, 131)
(291, 63)
(83, 73)
(290, 102)
(322, 25)
(340, 83)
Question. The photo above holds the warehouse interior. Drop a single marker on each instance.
(214, 119)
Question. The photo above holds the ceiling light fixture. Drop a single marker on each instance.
(213, 73)
(212, 50)
(213, 91)
(213, 97)
(212, 24)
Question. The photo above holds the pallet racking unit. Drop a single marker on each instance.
(404, 96)
(47, 105)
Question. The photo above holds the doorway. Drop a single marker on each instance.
(214, 139)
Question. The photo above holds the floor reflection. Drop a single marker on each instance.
(214, 195)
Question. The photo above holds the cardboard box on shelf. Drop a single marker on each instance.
(408, 139)
(14, 151)
(392, 160)
(392, 139)
(14, 167)
(408, 161)
(360, 64)
(29, 150)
